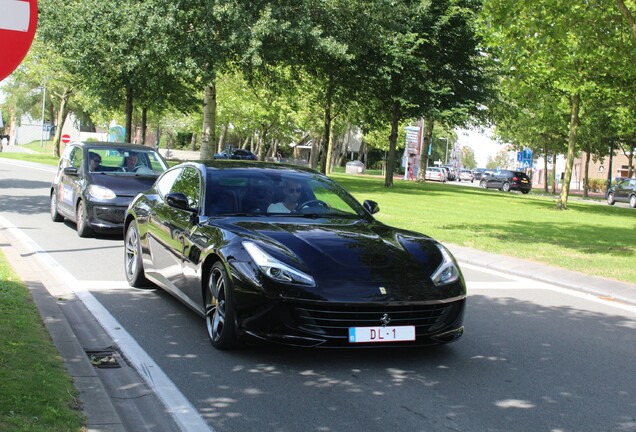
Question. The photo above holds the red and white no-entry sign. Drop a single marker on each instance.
(66, 138)
(18, 20)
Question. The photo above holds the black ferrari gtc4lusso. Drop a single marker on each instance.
(284, 254)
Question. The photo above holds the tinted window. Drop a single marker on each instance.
(184, 180)
(246, 191)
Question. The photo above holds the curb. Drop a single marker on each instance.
(96, 404)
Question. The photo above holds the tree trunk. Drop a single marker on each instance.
(209, 121)
(144, 124)
(628, 17)
(586, 188)
(325, 155)
(554, 161)
(562, 203)
(219, 148)
(545, 168)
(426, 143)
(390, 163)
(193, 142)
(630, 159)
(261, 143)
(61, 118)
(129, 112)
(314, 156)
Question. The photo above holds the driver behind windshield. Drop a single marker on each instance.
(291, 192)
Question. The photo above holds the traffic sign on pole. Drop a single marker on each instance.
(18, 21)
(66, 138)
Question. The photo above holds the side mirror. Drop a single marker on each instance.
(178, 200)
(371, 206)
(70, 170)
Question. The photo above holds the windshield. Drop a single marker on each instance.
(268, 192)
(123, 160)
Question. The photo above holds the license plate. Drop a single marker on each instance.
(381, 334)
(524, 181)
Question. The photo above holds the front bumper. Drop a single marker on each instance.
(326, 324)
(106, 217)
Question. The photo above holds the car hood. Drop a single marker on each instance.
(354, 260)
(124, 185)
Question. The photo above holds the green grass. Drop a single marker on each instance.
(36, 393)
(589, 237)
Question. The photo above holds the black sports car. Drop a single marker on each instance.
(284, 254)
(96, 181)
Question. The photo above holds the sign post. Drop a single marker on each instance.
(18, 21)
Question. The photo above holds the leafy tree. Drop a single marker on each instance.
(425, 60)
(113, 57)
(554, 49)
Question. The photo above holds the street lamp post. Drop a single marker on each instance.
(43, 105)
(609, 171)
(446, 154)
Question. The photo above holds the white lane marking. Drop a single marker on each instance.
(184, 414)
(15, 15)
(521, 283)
(30, 165)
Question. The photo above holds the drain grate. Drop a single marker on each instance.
(103, 359)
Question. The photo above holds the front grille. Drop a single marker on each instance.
(110, 214)
(334, 321)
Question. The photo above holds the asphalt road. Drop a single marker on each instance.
(534, 357)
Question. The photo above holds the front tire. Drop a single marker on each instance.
(482, 184)
(220, 315)
(133, 264)
(610, 198)
(55, 215)
(83, 230)
(632, 201)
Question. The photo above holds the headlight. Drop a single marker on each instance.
(100, 192)
(447, 272)
(274, 269)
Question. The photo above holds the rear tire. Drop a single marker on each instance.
(506, 187)
(632, 201)
(220, 312)
(133, 264)
(482, 184)
(55, 216)
(610, 198)
(83, 230)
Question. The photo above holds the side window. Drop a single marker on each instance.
(186, 181)
(189, 183)
(164, 184)
(65, 159)
(76, 157)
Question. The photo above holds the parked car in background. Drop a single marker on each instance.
(466, 175)
(447, 172)
(237, 154)
(95, 182)
(316, 269)
(451, 171)
(507, 180)
(477, 173)
(623, 191)
(435, 174)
